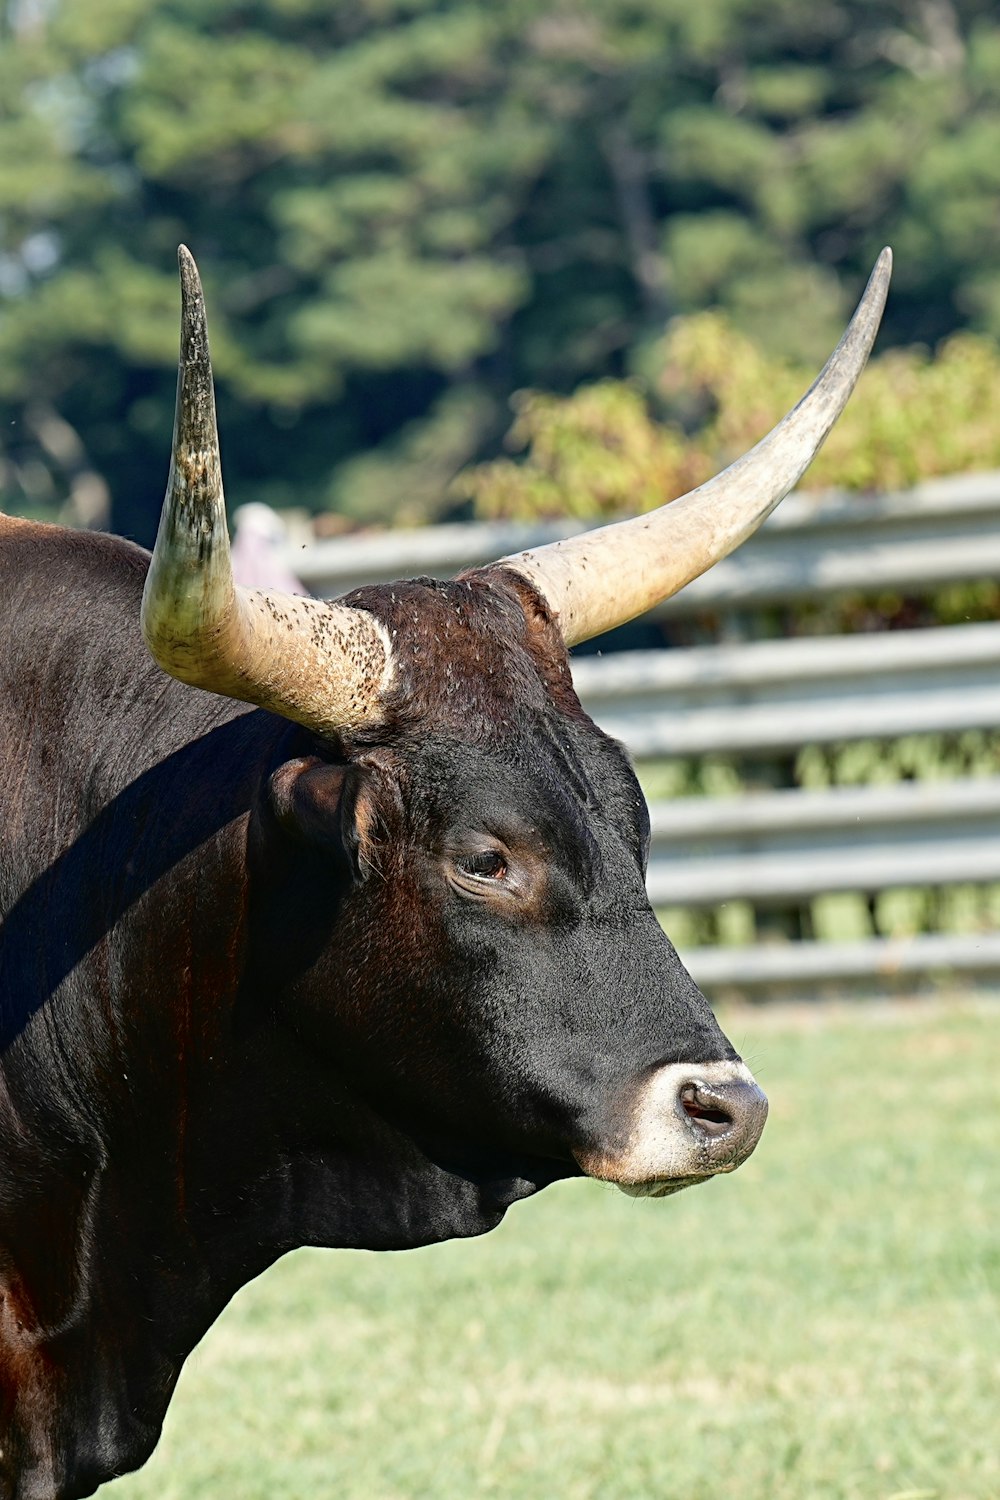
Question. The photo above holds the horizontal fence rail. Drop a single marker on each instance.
(797, 968)
(774, 847)
(769, 696)
(945, 531)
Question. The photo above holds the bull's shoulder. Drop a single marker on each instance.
(41, 557)
(69, 622)
(78, 688)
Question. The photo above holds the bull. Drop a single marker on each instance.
(323, 923)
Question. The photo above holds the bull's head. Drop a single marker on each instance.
(450, 855)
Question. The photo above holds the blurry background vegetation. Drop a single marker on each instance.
(651, 216)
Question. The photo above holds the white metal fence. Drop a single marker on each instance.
(774, 697)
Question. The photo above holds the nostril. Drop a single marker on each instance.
(705, 1110)
(689, 1121)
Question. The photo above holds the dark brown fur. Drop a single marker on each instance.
(251, 996)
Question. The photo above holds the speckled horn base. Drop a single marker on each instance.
(323, 665)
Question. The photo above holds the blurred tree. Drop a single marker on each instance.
(406, 209)
(610, 448)
(344, 193)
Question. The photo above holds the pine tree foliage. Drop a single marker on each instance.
(406, 210)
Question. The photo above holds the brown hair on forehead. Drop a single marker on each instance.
(471, 655)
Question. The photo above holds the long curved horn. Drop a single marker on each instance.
(323, 665)
(602, 578)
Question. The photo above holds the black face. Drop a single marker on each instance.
(508, 985)
(559, 988)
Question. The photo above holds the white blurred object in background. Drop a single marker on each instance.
(259, 550)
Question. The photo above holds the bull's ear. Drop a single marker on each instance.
(326, 806)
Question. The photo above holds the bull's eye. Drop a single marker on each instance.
(488, 864)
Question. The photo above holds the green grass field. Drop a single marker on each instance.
(826, 1323)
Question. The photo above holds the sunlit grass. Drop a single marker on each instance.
(826, 1323)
